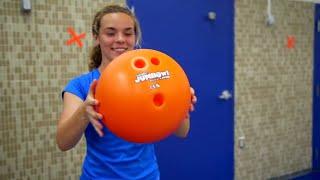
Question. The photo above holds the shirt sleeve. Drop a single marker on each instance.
(75, 87)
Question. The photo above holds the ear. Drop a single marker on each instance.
(96, 40)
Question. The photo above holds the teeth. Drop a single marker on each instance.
(119, 49)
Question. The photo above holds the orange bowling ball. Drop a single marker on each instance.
(144, 95)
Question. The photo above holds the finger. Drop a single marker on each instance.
(194, 99)
(96, 116)
(192, 91)
(92, 113)
(91, 101)
(191, 108)
(92, 88)
(97, 126)
(99, 131)
(188, 116)
(90, 98)
(193, 96)
(99, 116)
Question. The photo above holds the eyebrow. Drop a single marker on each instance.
(112, 28)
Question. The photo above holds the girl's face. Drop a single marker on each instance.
(116, 35)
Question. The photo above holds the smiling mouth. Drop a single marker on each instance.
(119, 50)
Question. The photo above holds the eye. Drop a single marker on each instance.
(128, 34)
(110, 33)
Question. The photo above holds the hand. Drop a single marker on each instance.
(92, 115)
(193, 102)
(193, 99)
(184, 127)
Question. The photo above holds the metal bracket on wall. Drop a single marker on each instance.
(212, 15)
(25, 5)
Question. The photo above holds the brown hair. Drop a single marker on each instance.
(95, 53)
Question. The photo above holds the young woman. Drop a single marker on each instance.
(116, 30)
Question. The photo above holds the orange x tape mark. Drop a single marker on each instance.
(75, 38)
(291, 41)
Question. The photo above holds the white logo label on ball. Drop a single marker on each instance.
(152, 76)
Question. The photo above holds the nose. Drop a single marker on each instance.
(120, 37)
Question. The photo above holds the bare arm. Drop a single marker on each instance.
(184, 127)
(72, 122)
(74, 119)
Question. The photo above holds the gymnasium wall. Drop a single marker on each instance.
(273, 86)
(273, 83)
(35, 65)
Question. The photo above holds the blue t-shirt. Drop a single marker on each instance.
(110, 157)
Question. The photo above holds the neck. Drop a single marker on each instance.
(104, 64)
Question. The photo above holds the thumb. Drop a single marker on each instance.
(92, 89)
